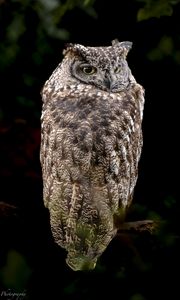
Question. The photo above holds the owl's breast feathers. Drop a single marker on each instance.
(91, 145)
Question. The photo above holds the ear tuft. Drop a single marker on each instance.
(127, 45)
(68, 47)
(123, 47)
(115, 42)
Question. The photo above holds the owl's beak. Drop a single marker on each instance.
(110, 81)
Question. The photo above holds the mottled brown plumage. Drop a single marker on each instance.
(90, 148)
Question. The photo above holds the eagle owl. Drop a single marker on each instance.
(90, 148)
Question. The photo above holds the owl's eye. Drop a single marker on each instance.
(89, 70)
(117, 70)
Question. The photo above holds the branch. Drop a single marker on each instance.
(7, 210)
(139, 226)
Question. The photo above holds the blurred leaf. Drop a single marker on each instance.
(137, 297)
(24, 101)
(121, 274)
(51, 13)
(156, 9)
(177, 57)
(164, 48)
(28, 79)
(50, 4)
(100, 267)
(166, 45)
(8, 53)
(87, 2)
(60, 33)
(88, 8)
(169, 202)
(16, 272)
(10, 49)
(139, 209)
(152, 215)
(154, 54)
(16, 28)
(48, 15)
(71, 288)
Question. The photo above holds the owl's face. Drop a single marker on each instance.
(104, 67)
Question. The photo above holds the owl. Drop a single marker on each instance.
(91, 141)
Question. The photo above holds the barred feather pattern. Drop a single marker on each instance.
(91, 143)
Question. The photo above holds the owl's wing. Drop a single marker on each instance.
(66, 146)
(122, 147)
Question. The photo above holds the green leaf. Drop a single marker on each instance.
(16, 272)
(137, 297)
(156, 9)
(16, 28)
(169, 202)
(177, 57)
(164, 48)
(23, 101)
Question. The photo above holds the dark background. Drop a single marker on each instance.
(32, 36)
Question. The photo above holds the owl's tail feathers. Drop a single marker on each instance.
(81, 263)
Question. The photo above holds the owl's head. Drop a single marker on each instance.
(104, 67)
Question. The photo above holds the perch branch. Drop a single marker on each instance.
(139, 226)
